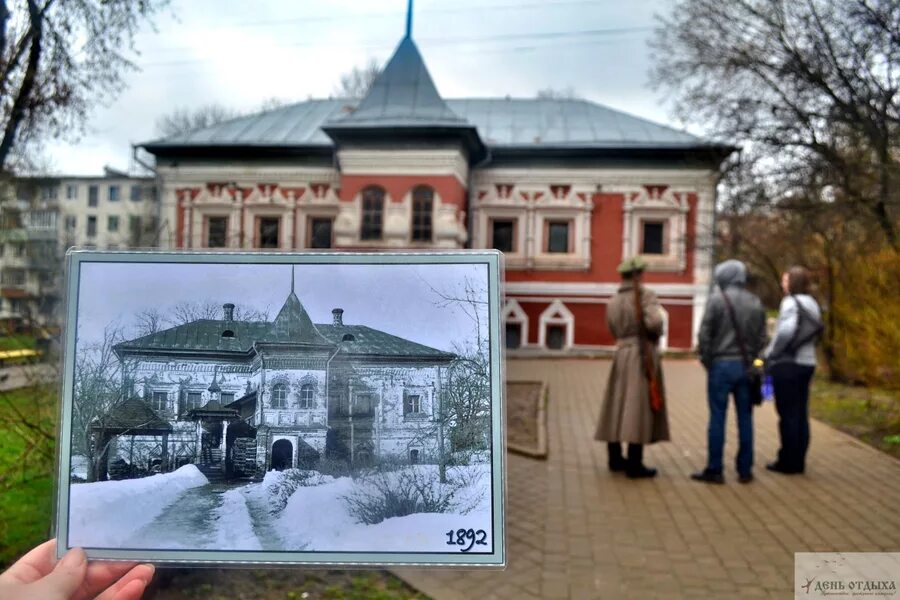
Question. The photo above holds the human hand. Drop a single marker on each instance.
(36, 576)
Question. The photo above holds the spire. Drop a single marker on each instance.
(409, 15)
(292, 324)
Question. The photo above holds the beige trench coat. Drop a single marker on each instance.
(626, 415)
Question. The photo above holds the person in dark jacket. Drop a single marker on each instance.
(791, 363)
(721, 354)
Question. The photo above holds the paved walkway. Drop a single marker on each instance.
(577, 531)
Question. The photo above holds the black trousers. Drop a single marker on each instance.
(791, 384)
(635, 455)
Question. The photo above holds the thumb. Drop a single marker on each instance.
(66, 577)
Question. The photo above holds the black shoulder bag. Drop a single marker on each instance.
(754, 374)
(809, 328)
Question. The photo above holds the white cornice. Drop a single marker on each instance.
(595, 176)
(404, 162)
(686, 290)
(241, 173)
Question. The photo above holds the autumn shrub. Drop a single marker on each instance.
(865, 320)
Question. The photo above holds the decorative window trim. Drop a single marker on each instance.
(514, 313)
(549, 317)
(153, 400)
(422, 393)
(660, 204)
(272, 398)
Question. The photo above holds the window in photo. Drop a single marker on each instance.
(279, 395)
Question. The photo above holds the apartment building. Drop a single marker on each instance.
(112, 212)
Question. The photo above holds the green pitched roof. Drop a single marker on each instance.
(371, 341)
(205, 335)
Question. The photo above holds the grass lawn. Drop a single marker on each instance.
(25, 515)
(26, 486)
(16, 342)
(870, 415)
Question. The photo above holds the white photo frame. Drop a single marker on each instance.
(277, 409)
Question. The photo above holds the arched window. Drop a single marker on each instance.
(422, 206)
(307, 396)
(372, 213)
(279, 395)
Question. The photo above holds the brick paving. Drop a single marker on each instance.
(574, 530)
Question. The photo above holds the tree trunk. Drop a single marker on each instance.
(23, 98)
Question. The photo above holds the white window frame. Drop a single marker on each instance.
(557, 314)
(669, 207)
(514, 313)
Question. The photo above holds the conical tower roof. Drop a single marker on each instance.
(292, 324)
(403, 94)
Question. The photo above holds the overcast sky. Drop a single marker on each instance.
(241, 53)
(397, 299)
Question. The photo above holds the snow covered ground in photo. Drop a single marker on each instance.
(289, 510)
(105, 514)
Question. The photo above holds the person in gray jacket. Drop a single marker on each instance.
(720, 353)
(791, 362)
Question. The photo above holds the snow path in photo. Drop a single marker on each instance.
(261, 519)
(233, 524)
(107, 514)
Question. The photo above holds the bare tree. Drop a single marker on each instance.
(149, 321)
(188, 311)
(356, 83)
(185, 120)
(463, 413)
(57, 61)
(811, 89)
(101, 383)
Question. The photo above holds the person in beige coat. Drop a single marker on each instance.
(630, 413)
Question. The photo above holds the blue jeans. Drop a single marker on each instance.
(727, 377)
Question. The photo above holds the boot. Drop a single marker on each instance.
(635, 468)
(616, 461)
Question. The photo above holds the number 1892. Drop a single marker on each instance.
(467, 538)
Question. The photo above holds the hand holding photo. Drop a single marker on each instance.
(283, 409)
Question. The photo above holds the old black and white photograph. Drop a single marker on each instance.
(289, 407)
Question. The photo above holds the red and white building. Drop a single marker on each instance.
(565, 188)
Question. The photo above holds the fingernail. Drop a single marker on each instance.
(149, 577)
(74, 558)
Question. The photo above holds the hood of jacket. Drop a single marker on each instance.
(729, 273)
